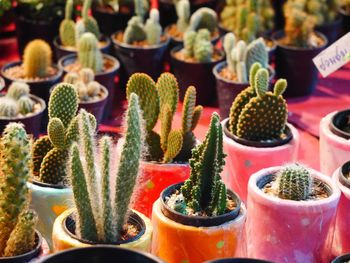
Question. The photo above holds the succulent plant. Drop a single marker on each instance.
(89, 55)
(240, 56)
(204, 191)
(100, 217)
(67, 26)
(153, 28)
(294, 182)
(37, 59)
(197, 45)
(183, 15)
(87, 23)
(257, 114)
(17, 224)
(204, 18)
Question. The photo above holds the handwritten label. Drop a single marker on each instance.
(335, 56)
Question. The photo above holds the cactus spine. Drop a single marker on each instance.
(89, 55)
(67, 26)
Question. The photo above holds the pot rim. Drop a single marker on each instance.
(46, 185)
(128, 46)
(57, 43)
(179, 47)
(37, 99)
(334, 128)
(341, 177)
(341, 258)
(277, 35)
(198, 221)
(254, 189)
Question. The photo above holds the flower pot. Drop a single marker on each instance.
(342, 259)
(284, 230)
(62, 51)
(334, 148)
(227, 90)
(100, 254)
(63, 234)
(153, 179)
(195, 74)
(181, 238)
(288, 59)
(32, 123)
(331, 30)
(49, 201)
(105, 78)
(243, 160)
(341, 240)
(238, 260)
(346, 20)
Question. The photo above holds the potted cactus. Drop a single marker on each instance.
(199, 219)
(92, 95)
(104, 66)
(238, 260)
(101, 214)
(141, 47)
(70, 31)
(334, 141)
(232, 76)
(168, 152)
(198, 56)
(298, 42)
(344, 11)
(256, 134)
(18, 105)
(291, 210)
(19, 242)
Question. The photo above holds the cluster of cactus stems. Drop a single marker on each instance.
(197, 45)
(204, 192)
(294, 182)
(16, 101)
(247, 19)
(84, 84)
(159, 100)
(17, 222)
(37, 59)
(256, 113)
(102, 210)
(89, 55)
(50, 152)
(240, 56)
(70, 32)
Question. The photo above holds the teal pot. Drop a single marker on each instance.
(105, 78)
(49, 201)
(346, 20)
(332, 31)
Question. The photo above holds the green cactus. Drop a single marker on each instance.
(198, 45)
(25, 105)
(183, 15)
(294, 182)
(204, 191)
(204, 18)
(152, 28)
(17, 90)
(189, 40)
(135, 31)
(89, 55)
(87, 24)
(37, 59)
(67, 26)
(141, 8)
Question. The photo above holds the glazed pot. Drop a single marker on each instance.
(346, 20)
(32, 123)
(331, 30)
(100, 254)
(181, 238)
(342, 259)
(334, 145)
(49, 201)
(295, 231)
(238, 260)
(105, 78)
(64, 237)
(244, 159)
(196, 74)
(288, 60)
(341, 240)
(62, 51)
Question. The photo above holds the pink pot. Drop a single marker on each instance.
(242, 161)
(334, 150)
(289, 231)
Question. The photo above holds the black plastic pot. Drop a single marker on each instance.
(295, 64)
(31, 255)
(346, 21)
(341, 259)
(197, 221)
(61, 51)
(106, 79)
(238, 260)
(345, 169)
(338, 122)
(332, 30)
(279, 16)
(195, 74)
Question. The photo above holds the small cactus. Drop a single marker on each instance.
(141, 7)
(198, 45)
(183, 14)
(203, 18)
(87, 24)
(135, 31)
(152, 28)
(89, 55)
(67, 26)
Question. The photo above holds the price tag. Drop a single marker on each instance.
(333, 57)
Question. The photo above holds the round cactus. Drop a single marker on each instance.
(89, 55)
(8, 107)
(71, 78)
(135, 31)
(86, 75)
(93, 88)
(25, 105)
(17, 89)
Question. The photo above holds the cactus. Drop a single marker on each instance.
(18, 89)
(37, 59)
(25, 105)
(89, 55)
(101, 218)
(135, 31)
(152, 28)
(294, 182)
(203, 18)
(67, 27)
(87, 24)
(198, 45)
(204, 191)
(183, 15)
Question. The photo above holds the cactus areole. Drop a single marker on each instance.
(340, 124)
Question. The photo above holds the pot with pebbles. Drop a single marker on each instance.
(101, 214)
(256, 134)
(18, 105)
(199, 219)
(291, 210)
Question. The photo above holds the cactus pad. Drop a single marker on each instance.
(52, 169)
(40, 148)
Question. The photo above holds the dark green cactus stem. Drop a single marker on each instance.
(135, 31)
(40, 149)
(52, 169)
(174, 145)
(165, 120)
(294, 183)
(56, 132)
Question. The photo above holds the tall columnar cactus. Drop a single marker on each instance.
(101, 218)
(16, 226)
(67, 26)
(204, 191)
(87, 23)
(197, 45)
(37, 59)
(89, 55)
(183, 15)
(204, 18)
(294, 182)
(257, 114)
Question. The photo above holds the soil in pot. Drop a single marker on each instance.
(340, 124)
(16, 72)
(180, 55)
(76, 66)
(177, 35)
(141, 44)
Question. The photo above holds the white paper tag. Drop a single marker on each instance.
(333, 57)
